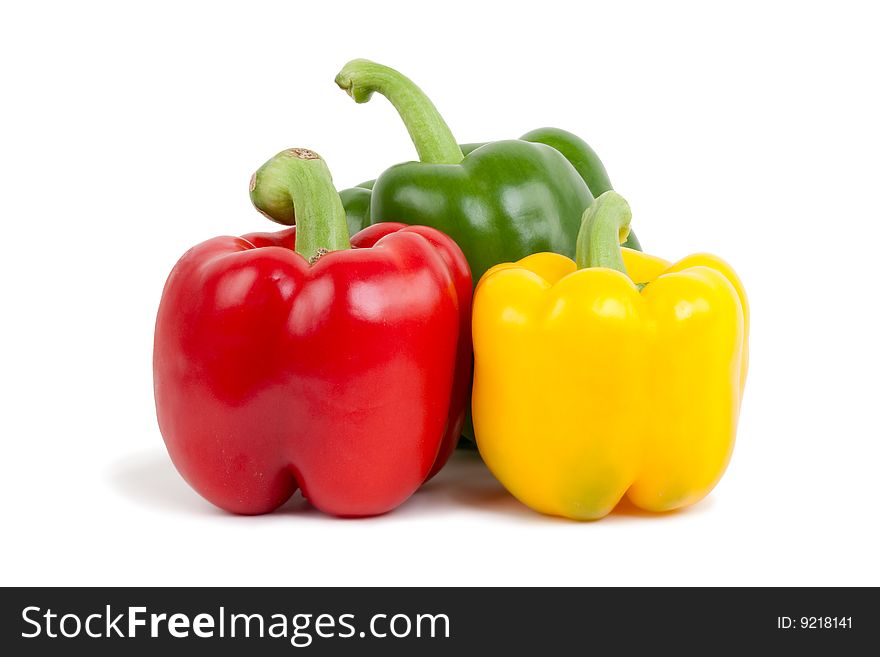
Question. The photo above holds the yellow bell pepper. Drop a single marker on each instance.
(591, 384)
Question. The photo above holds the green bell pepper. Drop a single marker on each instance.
(356, 201)
(500, 201)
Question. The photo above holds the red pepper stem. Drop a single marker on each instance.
(604, 227)
(430, 135)
(295, 188)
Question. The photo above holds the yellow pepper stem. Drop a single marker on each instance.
(604, 227)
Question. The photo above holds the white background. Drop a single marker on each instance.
(129, 134)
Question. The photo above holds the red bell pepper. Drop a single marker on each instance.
(341, 368)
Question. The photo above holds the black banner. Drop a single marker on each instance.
(436, 621)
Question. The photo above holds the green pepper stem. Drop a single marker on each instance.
(295, 188)
(604, 227)
(430, 135)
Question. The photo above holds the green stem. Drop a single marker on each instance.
(295, 188)
(604, 227)
(430, 135)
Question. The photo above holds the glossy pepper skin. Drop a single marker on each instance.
(588, 388)
(332, 369)
(502, 201)
(580, 155)
(356, 201)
